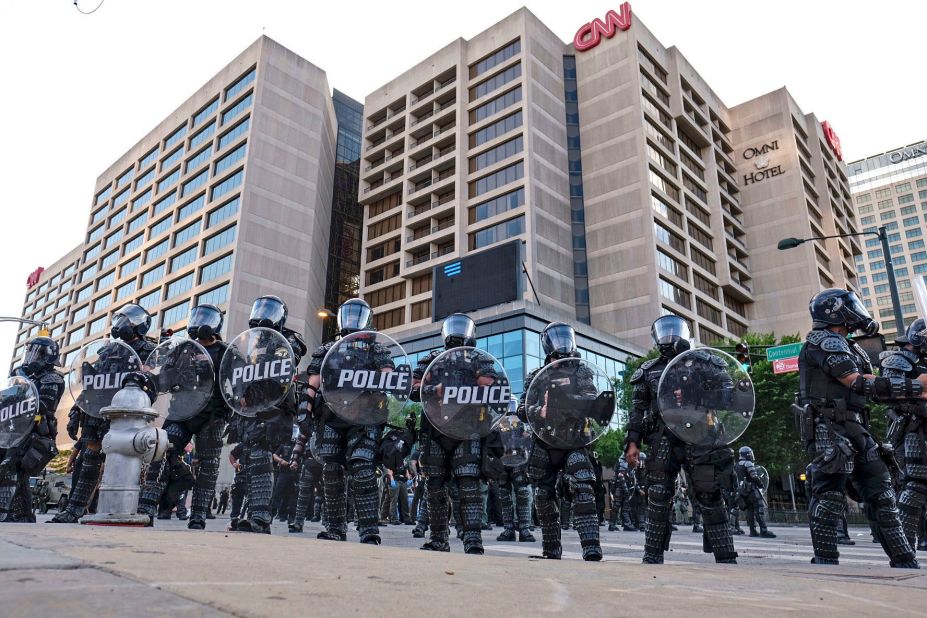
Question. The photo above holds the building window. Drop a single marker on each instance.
(148, 301)
(497, 233)
(133, 243)
(113, 239)
(216, 269)
(148, 159)
(95, 234)
(75, 336)
(384, 227)
(191, 207)
(153, 276)
(87, 273)
(101, 303)
(496, 105)
(203, 135)
(125, 289)
(194, 183)
(226, 185)
(230, 159)
(914, 233)
(232, 91)
(169, 180)
(503, 203)
(171, 159)
(156, 252)
(496, 129)
(180, 286)
(222, 239)
(130, 267)
(198, 159)
(509, 51)
(663, 185)
(421, 284)
(138, 221)
(421, 310)
(229, 209)
(387, 295)
(106, 280)
(217, 296)
(176, 136)
(174, 314)
(236, 109)
(911, 221)
(384, 204)
(160, 227)
(92, 252)
(669, 237)
(183, 259)
(708, 312)
(144, 179)
(121, 198)
(103, 195)
(673, 266)
(233, 134)
(206, 112)
(495, 82)
(497, 154)
(497, 179)
(80, 314)
(165, 203)
(674, 293)
(389, 319)
(700, 237)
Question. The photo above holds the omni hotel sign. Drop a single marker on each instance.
(909, 153)
(589, 35)
(760, 158)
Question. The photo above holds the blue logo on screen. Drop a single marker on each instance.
(452, 269)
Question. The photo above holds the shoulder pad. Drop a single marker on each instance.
(638, 375)
(817, 336)
(894, 360)
(835, 344)
(650, 363)
(701, 355)
(322, 350)
(717, 361)
(51, 377)
(532, 374)
(747, 463)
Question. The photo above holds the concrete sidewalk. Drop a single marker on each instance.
(104, 571)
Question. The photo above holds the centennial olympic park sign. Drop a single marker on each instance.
(590, 34)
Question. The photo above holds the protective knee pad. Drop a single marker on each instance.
(471, 503)
(466, 459)
(549, 518)
(335, 497)
(891, 534)
(331, 445)
(208, 451)
(523, 506)
(178, 437)
(437, 501)
(825, 510)
(433, 459)
(717, 533)
(7, 491)
(538, 463)
(366, 497)
(506, 507)
(585, 514)
(915, 456)
(306, 496)
(657, 528)
(260, 483)
(362, 444)
(151, 491)
(91, 463)
(911, 509)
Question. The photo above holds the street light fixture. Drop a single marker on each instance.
(882, 234)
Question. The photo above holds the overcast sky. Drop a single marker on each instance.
(79, 90)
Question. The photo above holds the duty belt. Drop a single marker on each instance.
(835, 411)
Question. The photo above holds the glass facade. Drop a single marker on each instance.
(343, 275)
(577, 206)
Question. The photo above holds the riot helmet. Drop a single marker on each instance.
(268, 312)
(40, 352)
(916, 335)
(458, 330)
(558, 340)
(130, 322)
(670, 334)
(354, 315)
(836, 307)
(746, 452)
(205, 322)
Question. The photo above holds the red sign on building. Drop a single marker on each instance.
(590, 35)
(785, 365)
(33, 278)
(832, 140)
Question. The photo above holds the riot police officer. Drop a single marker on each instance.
(262, 434)
(668, 454)
(836, 382)
(447, 463)
(30, 457)
(130, 324)
(516, 515)
(344, 445)
(621, 498)
(546, 462)
(750, 492)
(909, 426)
(204, 326)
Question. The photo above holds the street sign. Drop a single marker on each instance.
(780, 352)
(785, 365)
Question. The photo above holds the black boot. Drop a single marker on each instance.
(507, 535)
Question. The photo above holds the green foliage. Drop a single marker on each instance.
(623, 387)
(399, 412)
(609, 447)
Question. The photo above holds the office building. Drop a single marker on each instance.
(890, 189)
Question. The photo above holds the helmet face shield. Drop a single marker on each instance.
(858, 317)
(39, 352)
(354, 315)
(669, 329)
(205, 322)
(268, 312)
(558, 339)
(458, 330)
(129, 322)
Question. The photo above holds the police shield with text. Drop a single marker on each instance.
(342, 442)
(752, 481)
(256, 376)
(186, 372)
(463, 391)
(96, 377)
(692, 433)
(569, 403)
(27, 426)
(909, 426)
(836, 383)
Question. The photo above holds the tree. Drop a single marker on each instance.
(609, 446)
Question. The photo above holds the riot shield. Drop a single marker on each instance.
(464, 392)
(569, 403)
(97, 373)
(19, 403)
(706, 398)
(184, 375)
(515, 436)
(764, 477)
(364, 375)
(256, 371)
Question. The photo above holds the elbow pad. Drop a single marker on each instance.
(887, 388)
(307, 398)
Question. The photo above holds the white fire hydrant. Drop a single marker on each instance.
(130, 442)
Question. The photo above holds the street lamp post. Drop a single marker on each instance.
(882, 234)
